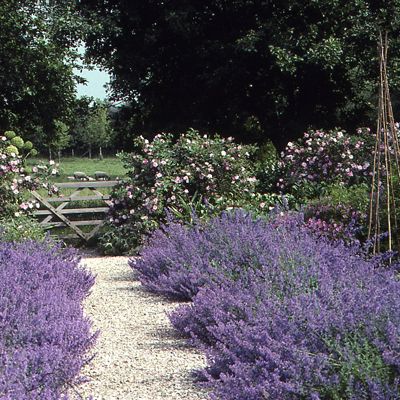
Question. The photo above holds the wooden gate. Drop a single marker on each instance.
(56, 212)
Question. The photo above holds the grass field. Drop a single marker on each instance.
(69, 165)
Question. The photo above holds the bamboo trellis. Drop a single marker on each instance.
(386, 168)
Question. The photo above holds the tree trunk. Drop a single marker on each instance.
(59, 156)
(100, 153)
(50, 154)
(90, 151)
(72, 152)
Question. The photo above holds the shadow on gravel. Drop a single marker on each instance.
(89, 253)
(126, 277)
(166, 333)
(150, 296)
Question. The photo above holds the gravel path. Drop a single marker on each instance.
(138, 354)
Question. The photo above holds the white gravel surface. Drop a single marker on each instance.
(138, 354)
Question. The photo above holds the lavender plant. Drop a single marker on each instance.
(330, 332)
(179, 259)
(280, 313)
(44, 336)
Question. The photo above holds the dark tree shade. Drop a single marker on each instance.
(251, 68)
(37, 55)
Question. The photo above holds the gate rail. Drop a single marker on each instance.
(56, 216)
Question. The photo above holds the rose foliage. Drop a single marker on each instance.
(280, 313)
(44, 336)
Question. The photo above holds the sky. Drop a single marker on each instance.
(96, 80)
(94, 87)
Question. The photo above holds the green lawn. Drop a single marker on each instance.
(69, 165)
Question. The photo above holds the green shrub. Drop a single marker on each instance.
(354, 197)
(11, 149)
(28, 145)
(117, 240)
(20, 229)
(18, 142)
(9, 134)
(267, 165)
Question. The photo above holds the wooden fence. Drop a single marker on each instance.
(55, 212)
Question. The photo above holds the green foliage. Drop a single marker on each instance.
(28, 145)
(20, 229)
(11, 149)
(115, 240)
(250, 68)
(261, 204)
(354, 197)
(267, 165)
(191, 210)
(38, 52)
(61, 138)
(10, 134)
(18, 142)
(96, 128)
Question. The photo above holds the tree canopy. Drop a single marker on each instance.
(251, 68)
(38, 51)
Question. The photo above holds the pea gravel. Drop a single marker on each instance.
(138, 354)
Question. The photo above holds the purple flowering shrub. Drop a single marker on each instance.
(321, 158)
(178, 259)
(280, 313)
(321, 336)
(44, 336)
(168, 173)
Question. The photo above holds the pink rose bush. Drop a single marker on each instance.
(329, 173)
(321, 158)
(210, 173)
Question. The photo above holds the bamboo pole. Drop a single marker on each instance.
(386, 163)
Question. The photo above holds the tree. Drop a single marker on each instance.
(96, 130)
(252, 68)
(38, 42)
(60, 140)
(80, 111)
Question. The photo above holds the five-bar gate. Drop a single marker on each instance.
(64, 211)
